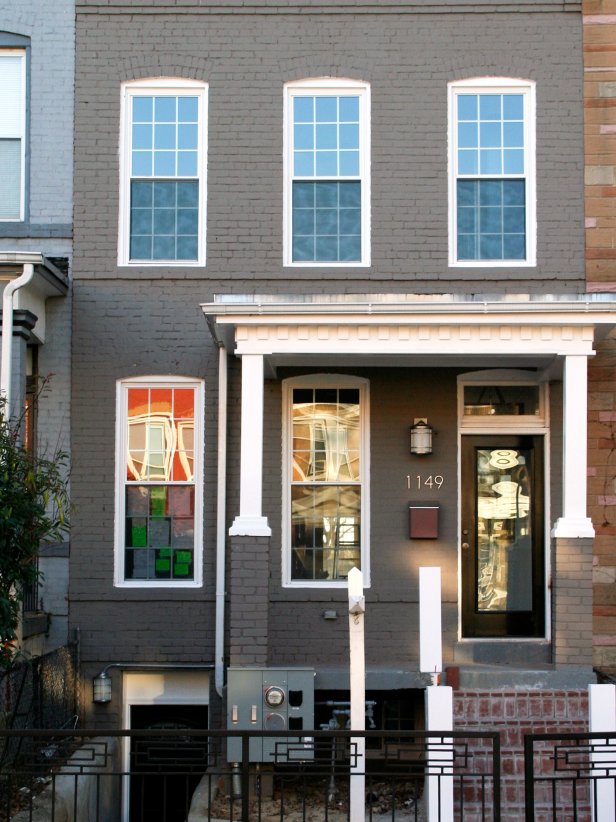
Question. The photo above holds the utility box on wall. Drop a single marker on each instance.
(270, 699)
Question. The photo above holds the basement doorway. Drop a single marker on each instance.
(162, 774)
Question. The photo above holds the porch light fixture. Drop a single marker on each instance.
(101, 688)
(421, 436)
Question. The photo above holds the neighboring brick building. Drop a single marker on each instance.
(37, 57)
(299, 230)
(600, 197)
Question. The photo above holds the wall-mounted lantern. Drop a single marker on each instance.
(421, 436)
(101, 688)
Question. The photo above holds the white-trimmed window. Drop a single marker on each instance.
(325, 520)
(327, 173)
(162, 170)
(159, 481)
(492, 172)
(12, 134)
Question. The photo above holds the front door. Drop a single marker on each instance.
(503, 555)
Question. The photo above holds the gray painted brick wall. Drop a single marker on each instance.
(51, 27)
(146, 321)
(408, 59)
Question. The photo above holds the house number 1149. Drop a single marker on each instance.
(420, 481)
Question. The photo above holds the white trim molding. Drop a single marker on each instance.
(491, 137)
(176, 140)
(167, 459)
(327, 140)
(325, 381)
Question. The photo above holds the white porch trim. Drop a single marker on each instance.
(574, 521)
(250, 521)
(542, 331)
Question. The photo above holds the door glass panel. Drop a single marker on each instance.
(504, 530)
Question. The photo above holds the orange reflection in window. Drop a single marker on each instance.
(161, 399)
(184, 403)
(137, 401)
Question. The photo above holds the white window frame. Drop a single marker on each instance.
(339, 87)
(518, 423)
(495, 85)
(19, 133)
(160, 87)
(325, 381)
(122, 387)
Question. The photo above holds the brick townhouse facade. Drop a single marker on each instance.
(37, 56)
(300, 230)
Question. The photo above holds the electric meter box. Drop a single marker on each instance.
(271, 699)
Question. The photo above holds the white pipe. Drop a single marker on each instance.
(6, 364)
(221, 531)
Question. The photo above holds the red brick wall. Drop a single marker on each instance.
(515, 713)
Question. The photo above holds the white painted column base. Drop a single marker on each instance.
(250, 527)
(439, 717)
(572, 528)
(602, 718)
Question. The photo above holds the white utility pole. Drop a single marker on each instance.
(357, 608)
(439, 699)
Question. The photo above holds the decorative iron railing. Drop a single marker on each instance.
(178, 775)
(570, 777)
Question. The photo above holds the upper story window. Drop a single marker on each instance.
(327, 173)
(162, 169)
(159, 485)
(326, 469)
(12, 133)
(492, 172)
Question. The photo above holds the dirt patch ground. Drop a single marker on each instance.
(301, 803)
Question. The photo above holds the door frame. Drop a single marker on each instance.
(157, 688)
(538, 425)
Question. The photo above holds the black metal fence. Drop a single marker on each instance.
(570, 777)
(41, 692)
(178, 775)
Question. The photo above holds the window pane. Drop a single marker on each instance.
(324, 215)
(160, 219)
(325, 531)
(495, 400)
(10, 179)
(491, 220)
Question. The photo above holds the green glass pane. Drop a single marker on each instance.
(162, 565)
(181, 570)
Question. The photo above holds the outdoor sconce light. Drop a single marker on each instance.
(101, 688)
(421, 436)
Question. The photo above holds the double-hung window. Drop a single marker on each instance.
(492, 172)
(163, 167)
(325, 469)
(327, 173)
(12, 133)
(159, 484)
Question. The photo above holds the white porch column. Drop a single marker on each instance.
(574, 521)
(250, 521)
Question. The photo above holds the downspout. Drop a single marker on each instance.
(221, 505)
(6, 363)
(221, 531)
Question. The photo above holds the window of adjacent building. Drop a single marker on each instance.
(159, 511)
(12, 133)
(327, 179)
(163, 166)
(326, 507)
(492, 166)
